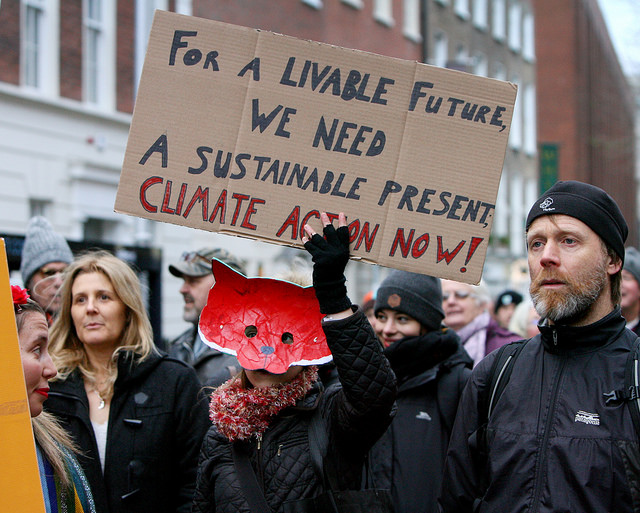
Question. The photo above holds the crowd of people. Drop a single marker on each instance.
(431, 396)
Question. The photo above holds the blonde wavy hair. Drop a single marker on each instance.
(67, 351)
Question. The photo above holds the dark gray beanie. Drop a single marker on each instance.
(417, 295)
(587, 203)
(41, 246)
(632, 262)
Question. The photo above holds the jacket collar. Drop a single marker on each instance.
(561, 339)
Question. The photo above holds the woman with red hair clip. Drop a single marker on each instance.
(64, 485)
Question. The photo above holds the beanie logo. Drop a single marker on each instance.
(546, 205)
(394, 300)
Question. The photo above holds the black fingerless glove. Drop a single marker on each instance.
(330, 255)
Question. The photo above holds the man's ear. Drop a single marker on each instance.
(614, 265)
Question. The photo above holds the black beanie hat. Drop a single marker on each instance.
(417, 295)
(587, 203)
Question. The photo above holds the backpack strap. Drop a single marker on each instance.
(498, 378)
(632, 377)
(630, 393)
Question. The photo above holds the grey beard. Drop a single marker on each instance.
(572, 307)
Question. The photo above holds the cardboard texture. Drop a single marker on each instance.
(20, 488)
(252, 133)
(258, 320)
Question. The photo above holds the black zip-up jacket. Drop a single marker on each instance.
(356, 412)
(554, 445)
(432, 370)
(156, 427)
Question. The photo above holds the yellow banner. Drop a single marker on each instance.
(20, 488)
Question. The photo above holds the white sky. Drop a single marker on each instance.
(623, 20)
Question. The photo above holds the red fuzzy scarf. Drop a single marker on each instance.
(241, 413)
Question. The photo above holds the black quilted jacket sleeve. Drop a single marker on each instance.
(362, 409)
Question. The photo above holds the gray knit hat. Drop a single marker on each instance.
(417, 295)
(42, 246)
(632, 262)
(198, 263)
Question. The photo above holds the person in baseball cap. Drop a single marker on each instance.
(45, 255)
(194, 267)
(505, 305)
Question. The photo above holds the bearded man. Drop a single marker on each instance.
(553, 442)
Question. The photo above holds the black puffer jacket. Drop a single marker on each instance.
(432, 371)
(357, 413)
(554, 444)
(156, 427)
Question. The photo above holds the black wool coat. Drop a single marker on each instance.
(156, 427)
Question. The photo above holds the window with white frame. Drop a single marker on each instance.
(480, 64)
(515, 135)
(515, 25)
(145, 10)
(461, 58)
(528, 37)
(498, 19)
(440, 49)
(517, 213)
(316, 4)
(529, 107)
(461, 8)
(498, 71)
(356, 4)
(500, 227)
(33, 46)
(480, 14)
(383, 12)
(412, 24)
(94, 30)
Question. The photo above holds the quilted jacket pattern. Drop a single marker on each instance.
(356, 413)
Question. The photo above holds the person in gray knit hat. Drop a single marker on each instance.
(432, 368)
(45, 255)
(213, 367)
(630, 289)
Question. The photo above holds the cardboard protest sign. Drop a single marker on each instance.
(252, 133)
(21, 489)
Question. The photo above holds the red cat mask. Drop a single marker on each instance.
(266, 323)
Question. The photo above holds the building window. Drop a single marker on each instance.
(145, 9)
(356, 4)
(316, 4)
(39, 207)
(515, 135)
(383, 12)
(32, 43)
(500, 227)
(515, 26)
(480, 14)
(94, 46)
(516, 213)
(529, 104)
(461, 8)
(412, 20)
(461, 61)
(480, 66)
(498, 19)
(499, 72)
(528, 37)
(440, 50)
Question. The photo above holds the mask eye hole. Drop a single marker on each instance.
(287, 338)
(250, 331)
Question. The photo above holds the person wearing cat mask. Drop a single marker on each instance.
(262, 417)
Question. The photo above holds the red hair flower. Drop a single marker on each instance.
(19, 294)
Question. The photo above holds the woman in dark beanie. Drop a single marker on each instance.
(432, 368)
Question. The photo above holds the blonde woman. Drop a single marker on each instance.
(64, 486)
(133, 411)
